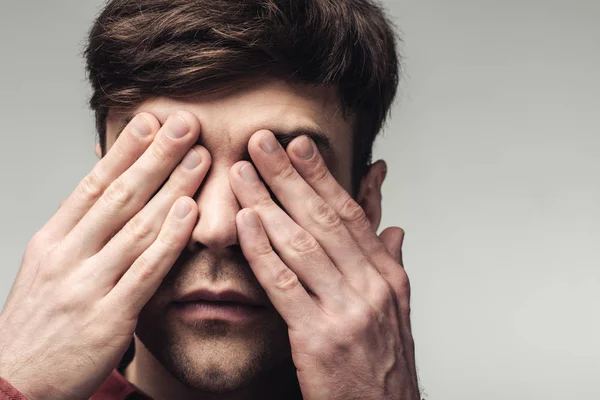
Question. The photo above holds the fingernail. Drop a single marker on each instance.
(182, 208)
(176, 127)
(303, 148)
(268, 143)
(247, 172)
(140, 127)
(251, 219)
(191, 160)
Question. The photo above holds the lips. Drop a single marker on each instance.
(224, 296)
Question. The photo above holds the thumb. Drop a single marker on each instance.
(392, 238)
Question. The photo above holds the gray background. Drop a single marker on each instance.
(493, 156)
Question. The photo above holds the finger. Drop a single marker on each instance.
(315, 172)
(297, 248)
(408, 343)
(392, 238)
(311, 212)
(282, 285)
(126, 195)
(141, 231)
(143, 278)
(130, 145)
(317, 175)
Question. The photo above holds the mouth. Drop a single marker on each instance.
(224, 305)
(221, 296)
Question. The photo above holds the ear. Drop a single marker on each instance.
(98, 151)
(369, 194)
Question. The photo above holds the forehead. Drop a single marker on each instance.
(229, 119)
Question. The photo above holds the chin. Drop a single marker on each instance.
(217, 356)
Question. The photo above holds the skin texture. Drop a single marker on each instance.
(220, 357)
(87, 273)
(217, 356)
(147, 226)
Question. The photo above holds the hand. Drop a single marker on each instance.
(340, 288)
(88, 272)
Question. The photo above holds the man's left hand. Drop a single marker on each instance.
(340, 288)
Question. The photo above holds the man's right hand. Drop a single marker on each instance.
(85, 276)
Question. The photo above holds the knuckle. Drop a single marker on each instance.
(302, 242)
(361, 317)
(285, 279)
(319, 174)
(170, 239)
(351, 211)
(63, 304)
(91, 186)
(56, 257)
(262, 249)
(336, 335)
(161, 152)
(45, 263)
(286, 171)
(363, 263)
(118, 193)
(384, 294)
(385, 289)
(74, 298)
(39, 242)
(404, 283)
(139, 231)
(143, 268)
(79, 292)
(124, 152)
(326, 344)
(399, 280)
(323, 214)
(264, 202)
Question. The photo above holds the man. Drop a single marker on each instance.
(224, 246)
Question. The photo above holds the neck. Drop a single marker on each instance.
(148, 375)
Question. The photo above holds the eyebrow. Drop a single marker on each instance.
(318, 136)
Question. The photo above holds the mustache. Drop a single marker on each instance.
(203, 265)
(213, 262)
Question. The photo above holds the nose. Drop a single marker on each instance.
(218, 206)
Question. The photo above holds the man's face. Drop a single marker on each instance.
(222, 355)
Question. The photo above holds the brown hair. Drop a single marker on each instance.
(180, 48)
